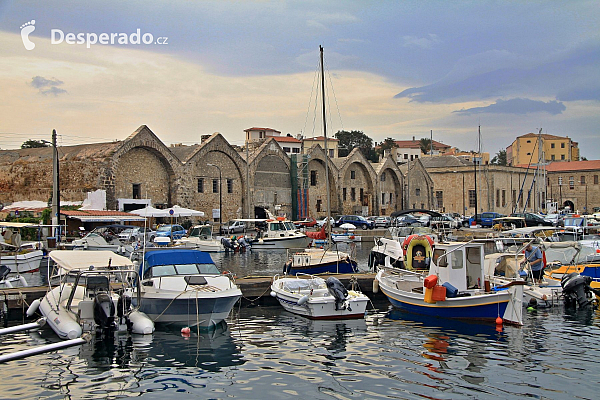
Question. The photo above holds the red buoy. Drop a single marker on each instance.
(498, 321)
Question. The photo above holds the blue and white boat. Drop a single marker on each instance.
(459, 288)
(185, 287)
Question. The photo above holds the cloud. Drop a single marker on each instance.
(53, 90)
(426, 43)
(517, 106)
(39, 82)
(47, 86)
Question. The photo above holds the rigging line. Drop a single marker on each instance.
(334, 96)
(312, 89)
(532, 182)
(524, 179)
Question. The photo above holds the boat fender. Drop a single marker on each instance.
(375, 286)
(33, 307)
(303, 300)
(141, 323)
(273, 294)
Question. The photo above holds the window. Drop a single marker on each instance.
(344, 194)
(200, 185)
(406, 156)
(595, 179)
(417, 191)
(319, 202)
(528, 154)
(287, 149)
(562, 157)
(514, 197)
(497, 197)
(553, 157)
(229, 185)
(296, 150)
(352, 174)
(439, 196)
(552, 145)
(215, 186)
(331, 154)
(529, 141)
(382, 198)
(562, 145)
(382, 177)
(361, 195)
(391, 198)
(471, 198)
(313, 178)
(582, 180)
(503, 198)
(571, 182)
(352, 194)
(137, 191)
(416, 156)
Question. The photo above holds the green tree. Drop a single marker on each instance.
(31, 144)
(425, 144)
(349, 140)
(499, 158)
(387, 144)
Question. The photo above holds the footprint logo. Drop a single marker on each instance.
(26, 29)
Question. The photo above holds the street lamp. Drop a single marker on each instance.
(220, 196)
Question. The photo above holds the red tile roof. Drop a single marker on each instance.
(416, 144)
(558, 166)
(321, 139)
(94, 213)
(544, 136)
(286, 139)
(261, 129)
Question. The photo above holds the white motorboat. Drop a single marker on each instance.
(185, 287)
(94, 294)
(316, 298)
(103, 238)
(200, 237)
(279, 235)
(319, 261)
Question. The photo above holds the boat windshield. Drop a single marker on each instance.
(289, 226)
(184, 269)
(200, 231)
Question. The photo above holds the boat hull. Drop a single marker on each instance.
(280, 243)
(23, 263)
(336, 267)
(188, 309)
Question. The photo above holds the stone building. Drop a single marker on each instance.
(574, 184)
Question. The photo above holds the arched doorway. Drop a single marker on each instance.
(260, 212)
(569, 204)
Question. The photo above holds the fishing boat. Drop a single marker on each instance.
(20, 257)
(200, 237)
(454, 287)
(317, 298)
(278, 234)
(185, 287)
(94, 295)
(404, 247)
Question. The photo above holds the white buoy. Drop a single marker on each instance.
(33, 307)
(303, 300)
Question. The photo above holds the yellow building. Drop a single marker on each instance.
(524, 150)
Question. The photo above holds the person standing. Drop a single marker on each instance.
(533, 255)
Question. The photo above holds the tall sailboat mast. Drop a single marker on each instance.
(325, 141)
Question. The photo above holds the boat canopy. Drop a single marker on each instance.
(169, 257)
(71, 260)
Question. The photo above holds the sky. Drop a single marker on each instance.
(398, 69)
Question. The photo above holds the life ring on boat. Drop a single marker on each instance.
(417, 251)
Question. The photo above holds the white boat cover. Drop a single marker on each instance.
(73, 260)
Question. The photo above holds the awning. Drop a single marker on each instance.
(107, 218)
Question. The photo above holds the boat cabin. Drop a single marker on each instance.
(459, 264)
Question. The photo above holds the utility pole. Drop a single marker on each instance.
(55, 189)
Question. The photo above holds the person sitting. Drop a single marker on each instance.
(533, 256)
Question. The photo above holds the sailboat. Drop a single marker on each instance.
(321, 260)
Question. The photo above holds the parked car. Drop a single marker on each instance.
(556, 219)
(308, 222)
(171, 231)
(233, 227)
(444, 221)
(356, 220)
(408, 220)
(532, 219)
(136, 233)
(486, 219)
(383, 222)
(321, 222)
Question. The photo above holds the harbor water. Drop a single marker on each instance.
(265, 352)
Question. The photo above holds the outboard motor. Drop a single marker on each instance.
(104, 311)
(243, 243)
(4, 271)
(339, 292)
(577, 290)
(226, 242)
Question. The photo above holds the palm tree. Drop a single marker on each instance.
(425, 144)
